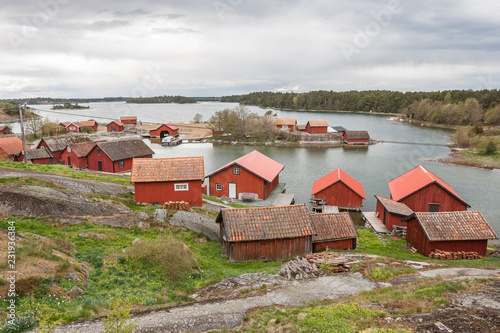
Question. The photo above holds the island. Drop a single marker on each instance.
(69, 106)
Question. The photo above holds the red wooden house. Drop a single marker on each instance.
(57, 144)
(75, 154)
(448, 231)
(168, 179)
(10, 147)
(253, 173)
(316, 126)
(422, 191)
(115, 126)
(339, 189)
(129, 120)
(164, 130)
(76, 126)
(36, 156)
(333, 231)
(265, 233)
(356, 137)
(4, 130)
(286, 124)
(391, 212)
(117, 156)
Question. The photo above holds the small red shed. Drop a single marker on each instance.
(4, 130)
(57, 144)
(265, 233)
(129, 120)
(76, 126)
(116, 156)
(286, 124)
(423, 191)
(36, 156)
(168, 179)
(391, 212)
(316, 126)
(339, 189)
(356, 137)
(252, 173)
(115, 126)
(75, 154)
(333, 231)
(9, 147)
(164, 130)
(448, 231)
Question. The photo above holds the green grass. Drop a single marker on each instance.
(235, 205)
(386, 273)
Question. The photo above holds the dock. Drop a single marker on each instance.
(284, 199)
(374, 222)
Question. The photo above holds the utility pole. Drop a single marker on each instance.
(22, 133)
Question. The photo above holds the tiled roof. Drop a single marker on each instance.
(335, 176)
(286, 121)
(318, 123)
(117, 122)
(357, 135)
(57, 143)
(415, 179)
(37, 154)
(82, 149)
(262, 223)
(167, 169)
(258, 164)
(394, 207)
(125, 149)
(169, 125)
(301, 127)
(333, 226)
(128, 118)
(89, 123)
(451, 226)
(11, 145)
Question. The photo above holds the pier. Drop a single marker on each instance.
(374, 222)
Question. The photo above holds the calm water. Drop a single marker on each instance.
(373, 167)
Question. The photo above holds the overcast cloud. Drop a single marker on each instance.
(95, 48)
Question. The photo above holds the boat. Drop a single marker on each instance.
(170, 141)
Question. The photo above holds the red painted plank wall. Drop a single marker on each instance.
(55, 154)
(389, 220)
(419, 201)
(341, 195)
(268, 250)
(161, 192)
(341, 244)
(76, 162)
(314, 130)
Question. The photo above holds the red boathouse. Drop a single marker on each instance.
(116, 156)
(316, 126)
(334, 231)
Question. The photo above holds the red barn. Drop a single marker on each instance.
(115, 126)
(129, 120)
(316, 126)
(391, 212)
(339, 189)
(4, 130)
(36, 156)
(265, 233)
(9, 147)
(164, 130)
(286, 124)
(168, 179)
(57, 144)
(356, 137)
(253, 173)
(422, 191)
(449, 231)
(333, 231)
(75, 154)
(117, 156)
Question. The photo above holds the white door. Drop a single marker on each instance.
(232, 190)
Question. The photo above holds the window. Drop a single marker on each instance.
(433, 207)
(98, 151)
(121, 164)
(218, 187)
(236, 171)
(182, 187)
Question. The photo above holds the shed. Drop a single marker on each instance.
(356, 137)
(449, 231)
(168, 179)
(9, 147)
(115, 126)
(251, 173)
(57, 144)
(286, 124)
(339, 189)
(334, 231)
(129, 120)
(76, 126)
(301, 128)
(317, 126)
(4, 130)
(116, 156)
(36, 156)
(265, 233)
(423, 191)
(75, 154)
(164, 130)
(391, 212)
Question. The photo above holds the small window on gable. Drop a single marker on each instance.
(218, 187)
(182, 187)
(433, 207)
(236, 170)
(121, 164)
(98, 152)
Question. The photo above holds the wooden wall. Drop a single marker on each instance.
(419, 201)
(389, 219)
(339, 194)
(163, 128)
(341, 244)
(55, 154)
(161, 192)
(315, 130)
(76, 162)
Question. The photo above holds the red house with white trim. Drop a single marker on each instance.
(252, 173)
(316, 126)
(339, 189)
(117, 156)
(115, 126)
(76, 126)
(423, 191)
(75, 154)
(391, 212)
(168, 179)
(164, 130)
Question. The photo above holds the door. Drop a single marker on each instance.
(232, 190)
(99, 165)
(69, 161)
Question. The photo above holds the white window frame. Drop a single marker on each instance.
(236, 170)
(218, 187)
(181, 187)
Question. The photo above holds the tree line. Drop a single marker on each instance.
(162, 99)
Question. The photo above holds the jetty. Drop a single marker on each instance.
(374, 222)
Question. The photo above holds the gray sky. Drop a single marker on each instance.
(96, 48)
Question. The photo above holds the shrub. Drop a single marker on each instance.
(22, 323)
(490, 148)
(117, 321)
(27, 285)
(93, 256)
